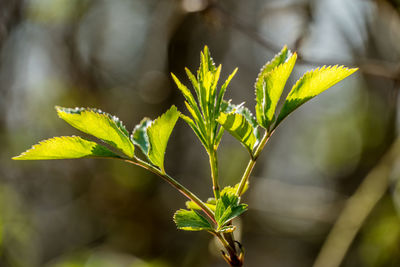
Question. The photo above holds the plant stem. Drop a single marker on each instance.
(252, 162)
(183, 190)
(214, 172)
(233, 260)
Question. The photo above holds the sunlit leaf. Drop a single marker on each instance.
(197, 130)
(238, 126)
(206, 64)
(158, 133)
(65, 147)
(194, 206)
(312, 84)
(205, 78)
(213, 89)
(185, 92)
(270, 85)
(139, 136)
(191, 220)
(232, 212)
(198, 118)
(247, 126)
(228, 208)
(232, 190)
(223, 90)
(227, 229)
(280, 58)
(99, 124)
(194, 81)
(191, 104)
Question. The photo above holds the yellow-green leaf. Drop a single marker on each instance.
(191, 220)
(280, 58)
(139, 136)
(194, 81)
(158, 133)
(237, 125)
(274, 83)
(223, 90)
(228, 208)
(194, 206)
(185, 91)
(99, 124)
(312, 84)
(270, 85)
(196, 129)
(65, 147)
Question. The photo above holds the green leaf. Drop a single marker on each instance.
(312, 84)
(207, 77)
(191, 220)
(238, 126)
(228, 207)
(232, 190)
(279, 59)
(198, 118)
(228, 108)
(194, 81)
(99, 124)
(139, 136)
(229, 190)
(230, 213)
(246, 186)
(214, 113)
(206, 64)
(269, 86)
(194, 206)
(191, 103)
(185, 91)
(251, 119)
(227, 229)
(223, 90)
(65, 147)
(219, 108)
(158, 133)
(197, 130)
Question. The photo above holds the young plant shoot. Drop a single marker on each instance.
(210, 115)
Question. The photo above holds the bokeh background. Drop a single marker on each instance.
(336, 157)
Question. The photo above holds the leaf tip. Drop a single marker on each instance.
(17, 157)
(174, 109)
(58, 109)
(352, 70)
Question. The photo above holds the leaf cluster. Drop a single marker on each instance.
(209, 104)
(225, 209)
(210, 115)
(150, 136)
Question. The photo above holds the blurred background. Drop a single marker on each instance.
(335, 157)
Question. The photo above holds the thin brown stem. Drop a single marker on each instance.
(233, 259)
